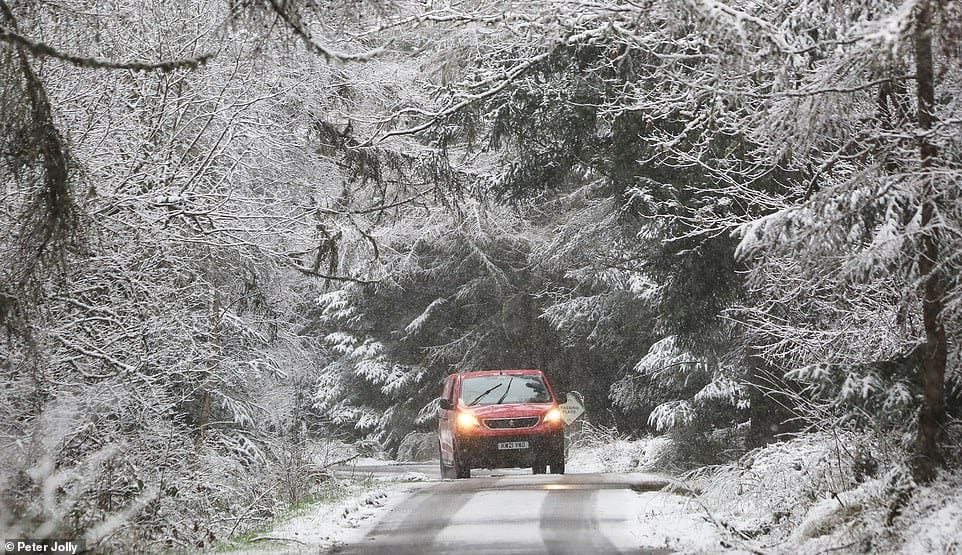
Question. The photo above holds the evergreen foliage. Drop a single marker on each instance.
(464, 296)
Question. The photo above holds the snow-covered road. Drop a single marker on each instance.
(523, 513)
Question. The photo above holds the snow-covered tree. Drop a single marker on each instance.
(171, 205)
(854, 267)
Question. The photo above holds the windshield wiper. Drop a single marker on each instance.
(479, 397)
(505, 394)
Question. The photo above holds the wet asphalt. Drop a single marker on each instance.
(508, 512)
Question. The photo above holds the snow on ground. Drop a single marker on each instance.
(321, 526)
(807, 496)
(618, 455)
(802, 496)
(940, 529)
(658, 519)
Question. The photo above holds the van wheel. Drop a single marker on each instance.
(447, 472)
(558, 467)
(539, 469)
(459, 471)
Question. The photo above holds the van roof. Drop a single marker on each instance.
(512, 372)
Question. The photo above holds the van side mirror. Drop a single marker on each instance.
(445, 404)
(562, 398)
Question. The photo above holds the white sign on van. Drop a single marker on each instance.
(572, 408)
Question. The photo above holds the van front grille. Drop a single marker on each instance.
(511, 423)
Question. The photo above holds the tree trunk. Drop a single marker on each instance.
(928, 455)
(771, 404)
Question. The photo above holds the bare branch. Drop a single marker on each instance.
(42, 50)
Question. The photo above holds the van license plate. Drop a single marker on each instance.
(513, 445)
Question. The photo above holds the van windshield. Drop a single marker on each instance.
(502, 389)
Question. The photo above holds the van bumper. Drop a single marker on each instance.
(484, 451)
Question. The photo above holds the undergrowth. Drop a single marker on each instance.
(832, 491)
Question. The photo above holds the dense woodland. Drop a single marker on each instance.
(233, 231)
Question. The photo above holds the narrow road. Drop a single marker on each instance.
(514, 512)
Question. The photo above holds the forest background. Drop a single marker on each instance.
(233, 231)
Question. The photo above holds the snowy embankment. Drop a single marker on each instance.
(321, 526)
(817, 493)
(822, 493)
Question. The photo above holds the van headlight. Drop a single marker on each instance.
(553, 416)
(467, 421)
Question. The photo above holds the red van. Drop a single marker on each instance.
(499, 419)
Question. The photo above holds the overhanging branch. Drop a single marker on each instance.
(42, 50)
